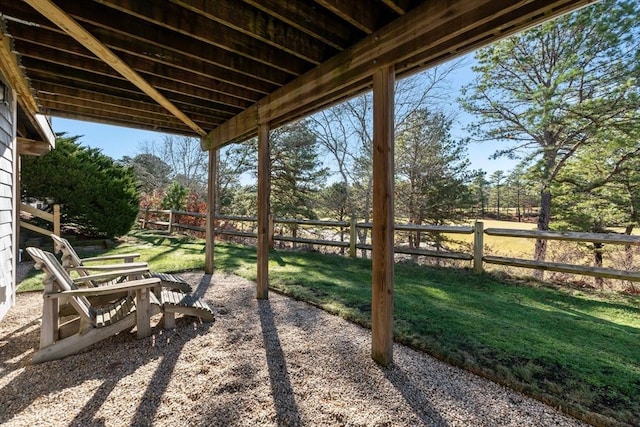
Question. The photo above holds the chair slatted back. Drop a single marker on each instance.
(47, 262)
(70, 257)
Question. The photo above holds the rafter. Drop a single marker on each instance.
(114, 96)
(11, 67)
(403, 39)
(122, 120)
(156, 73)
(494, 27)
(71, 27)
(111, 104)
(398, 6)
(309, 18)
(364, 18)
(231, 83)
(183, 21)
(261, 26)
(47, 74)
(100, 20)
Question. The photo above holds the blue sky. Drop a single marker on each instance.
(117, 142)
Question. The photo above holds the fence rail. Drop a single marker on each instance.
(53, 218)
(349, 231)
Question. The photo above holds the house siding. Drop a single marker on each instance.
(8, 191)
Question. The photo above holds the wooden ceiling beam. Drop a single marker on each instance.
(363, 18)
(349, 67)
(46, 74)
(217, 91)
(138, 30)
(241, 86)
(96, 95)
(309, 18)
(183, 21)
(112, 113)
(10, 66)
(31, 147)
(124, 121)
(391, 45)
(71, 27)
(162, 78)
(458, 43)
(111, 104)
(261, 26)
(399, 7)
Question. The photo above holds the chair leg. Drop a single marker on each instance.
(169, 320)
(50, 322)
(143, 312)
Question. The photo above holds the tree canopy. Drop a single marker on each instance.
(432, 169)
(98, 196)
(550, 91)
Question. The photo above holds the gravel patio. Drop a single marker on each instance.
(276, 362)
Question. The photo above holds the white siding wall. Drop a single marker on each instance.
(7, 202)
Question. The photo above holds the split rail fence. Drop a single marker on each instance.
(53, 218)
(348, 238)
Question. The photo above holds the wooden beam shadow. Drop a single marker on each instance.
(287, 413)
(419, 403)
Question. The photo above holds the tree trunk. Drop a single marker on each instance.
(416, 242)
(544, 217)
(597, 262)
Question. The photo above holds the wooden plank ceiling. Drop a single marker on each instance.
(228, 65)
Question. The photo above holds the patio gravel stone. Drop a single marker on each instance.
(273, 362)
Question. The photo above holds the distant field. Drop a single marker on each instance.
(502, 246)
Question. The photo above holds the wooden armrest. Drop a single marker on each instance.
(121, 267)
(108, 289)
(111, 275)
(110, 257)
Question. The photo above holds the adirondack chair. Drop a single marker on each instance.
(72, 261)
(173, 302)
(92, 323)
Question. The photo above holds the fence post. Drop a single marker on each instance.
(56, 219)
(478, 246)
(294, 234)
(353, 237)
(145, 218)
(272, 229)
(170, 221)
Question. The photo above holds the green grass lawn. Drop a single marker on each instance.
(574, 349)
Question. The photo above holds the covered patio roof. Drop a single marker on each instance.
(228, 70)
(216, 68)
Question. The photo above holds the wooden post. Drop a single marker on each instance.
(264, 186)
(145, 218)
(50, 328)
(353, 237)
(272, 228)
(211, 214)
(294, 234)
(170, 228)
(383, 217)
(56, 220)
(478, 246)
(143, 313)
